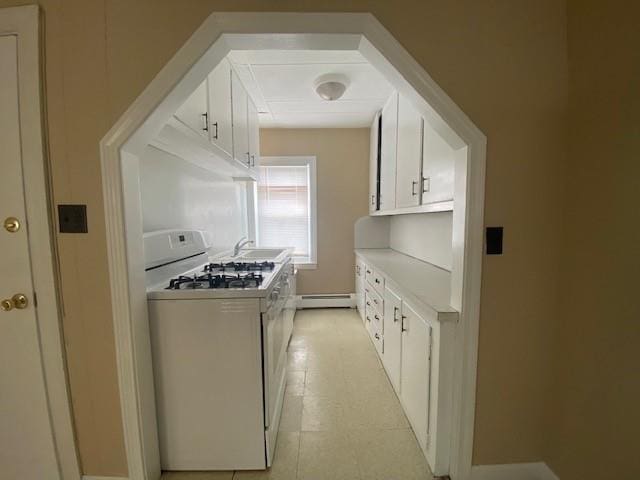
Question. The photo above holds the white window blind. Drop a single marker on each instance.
(284, 211)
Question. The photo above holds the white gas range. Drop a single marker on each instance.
(219, 334)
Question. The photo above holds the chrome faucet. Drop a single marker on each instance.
(241, 243)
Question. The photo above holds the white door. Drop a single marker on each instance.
(27, 448)
(388, 143)
(193, 111)
(220, 107)
(240, 128)
(392, 337)
(374, 176)
(409, 155)
(414, 383)
(253, 125)
(438, 166)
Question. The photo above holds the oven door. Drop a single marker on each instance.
(274, 362)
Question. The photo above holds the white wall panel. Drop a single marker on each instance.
(178, 194)
(426, 236)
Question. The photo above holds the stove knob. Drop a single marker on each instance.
(274, 295)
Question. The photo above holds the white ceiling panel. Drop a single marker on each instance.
(296, 82)
(282, 85)
(283, 57)
(322, 106)
(319, 120)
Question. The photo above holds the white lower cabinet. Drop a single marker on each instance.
(416, 372)
(415, 344)
(392, 337)
(360, 289)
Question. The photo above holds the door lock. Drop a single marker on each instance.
(18, 301)
(12, 224)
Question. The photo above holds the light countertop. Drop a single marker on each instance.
(420, 281)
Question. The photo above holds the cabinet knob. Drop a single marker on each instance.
(414, 184)
(205, 122)
(377, 336)
(215, 135)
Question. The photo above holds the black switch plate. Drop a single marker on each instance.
(494, 240)
(72, 218)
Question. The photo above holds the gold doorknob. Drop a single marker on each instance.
(12, 224)
(18, 301)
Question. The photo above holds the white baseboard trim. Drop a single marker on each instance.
(94, 477)
(513, 471)
(322, 300)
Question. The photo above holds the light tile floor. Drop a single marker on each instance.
(340, 418)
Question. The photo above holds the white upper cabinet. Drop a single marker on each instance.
(240, 121)
(217, 127)
(193, 112)
(409, 155)
(374, 158)
(388, 140)
(416, 169)
(416, 372)
(254, 134)
(220, 107)
(438, 166)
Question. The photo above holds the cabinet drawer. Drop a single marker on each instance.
(378, 283)
(375, 299)
(377, 320)
(368, 274)
(378, 342)
(369, 320)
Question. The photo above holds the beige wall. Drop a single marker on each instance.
(342, 171)
(596, 420)
(504, 63)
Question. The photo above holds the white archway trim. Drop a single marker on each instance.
(219, 34)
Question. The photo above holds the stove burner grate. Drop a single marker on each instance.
(211, 281)
(239, 267)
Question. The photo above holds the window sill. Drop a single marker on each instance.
(304, 264)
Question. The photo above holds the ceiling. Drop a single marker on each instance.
(281, 83)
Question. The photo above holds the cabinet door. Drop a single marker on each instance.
(388, 139)
(438, 166)
(254, 134)
(374, 158)
(239, 100)
(220, 107)
(392, 337)
(409, 155)
(415, 372)
(193, 111)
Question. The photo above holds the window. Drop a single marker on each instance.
(286, 206)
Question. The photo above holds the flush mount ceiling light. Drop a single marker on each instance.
(331, 86)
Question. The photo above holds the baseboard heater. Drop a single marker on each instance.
(327, 300)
